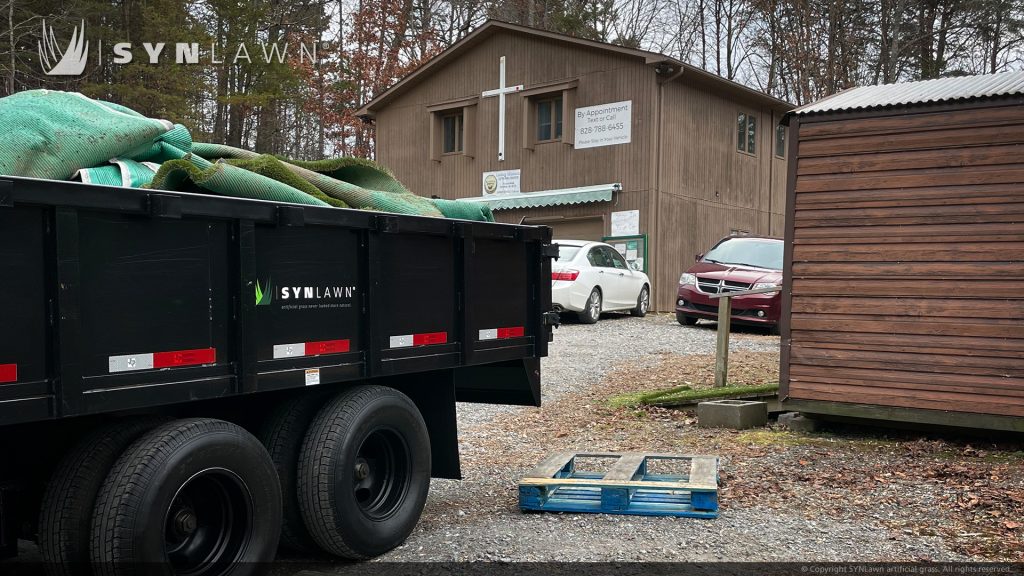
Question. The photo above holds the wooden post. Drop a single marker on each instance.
(722, 349)
(725, 311)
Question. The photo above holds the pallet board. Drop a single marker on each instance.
(627, 487)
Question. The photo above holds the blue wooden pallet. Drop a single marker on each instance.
(626, 488)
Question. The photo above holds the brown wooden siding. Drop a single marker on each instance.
(908, 261)
(707, 187)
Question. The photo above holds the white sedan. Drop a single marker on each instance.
(592, 277)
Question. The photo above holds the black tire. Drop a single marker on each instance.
(592, 313)
(643, 303)
(282, 435)
(65, 517)
(195, 495)
(685, 320)
(364, 472)
(775, 330)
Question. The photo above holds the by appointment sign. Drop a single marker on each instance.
(604, 125)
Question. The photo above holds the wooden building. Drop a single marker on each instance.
(905, 253)
(593, 139)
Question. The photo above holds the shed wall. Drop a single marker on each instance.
(907, 260)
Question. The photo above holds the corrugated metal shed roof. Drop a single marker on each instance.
(925, 91)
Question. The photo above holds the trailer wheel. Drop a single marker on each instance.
(364, 472)
(196, 496)
(65, 516)
(282, 435)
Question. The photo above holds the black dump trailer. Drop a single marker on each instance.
(186, 380)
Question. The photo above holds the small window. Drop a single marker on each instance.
(598, 258)
(549, 119)
(616, 259)
(780, 141)
(451, 128)
(746, 133)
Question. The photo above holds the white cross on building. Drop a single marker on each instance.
(500, 92)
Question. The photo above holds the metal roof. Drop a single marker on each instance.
(923, 92)
(581, 195)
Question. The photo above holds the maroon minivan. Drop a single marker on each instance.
(736, 263)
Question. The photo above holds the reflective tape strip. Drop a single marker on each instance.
(327, 347)
(131, 362)
(8, 373)
(511, 332)
(401, 341)
(430, 338)
(311, 348)
(502, 333)
(157, 360)
(185, 358)
(425, 339)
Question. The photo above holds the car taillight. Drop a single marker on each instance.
(567, 275)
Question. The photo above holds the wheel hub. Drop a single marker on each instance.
(185, 523)
(362, 470)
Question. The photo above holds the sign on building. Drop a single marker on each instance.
(501, 182)
(604, 125)
(626, 223)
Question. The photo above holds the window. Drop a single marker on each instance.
(566, 253)
(597, 257)
(616, 259)
(780, 141)
(451, 130)
(549, 119)
(746, 133)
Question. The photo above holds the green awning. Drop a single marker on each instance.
(581, 195)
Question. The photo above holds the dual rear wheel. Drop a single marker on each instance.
(348, 475)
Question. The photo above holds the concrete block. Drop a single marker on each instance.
(797, 422)
(735, 414)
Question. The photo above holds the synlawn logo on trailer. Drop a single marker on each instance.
(265, 293)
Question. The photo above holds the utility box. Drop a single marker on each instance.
(735, 414)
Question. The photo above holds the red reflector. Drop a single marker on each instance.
(512, 332)
(567, 275)
(429, 338)
(184, 358)
(8, 373)
(326, 347)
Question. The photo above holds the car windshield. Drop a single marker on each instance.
(748, 252)
(567, 253)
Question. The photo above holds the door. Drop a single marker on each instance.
(626, 282)
(576, 228)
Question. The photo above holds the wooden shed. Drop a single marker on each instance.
(904, 290)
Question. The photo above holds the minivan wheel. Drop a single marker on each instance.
(643, 302)
(195, 496)
(364, 472)
(685, 320)
(592, 312)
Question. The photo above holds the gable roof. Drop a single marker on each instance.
(492, 27)
(921, 92)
